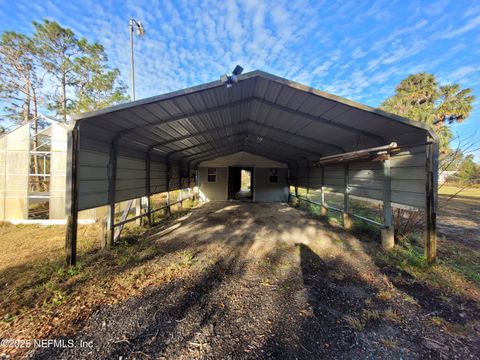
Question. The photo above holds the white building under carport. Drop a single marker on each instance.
(286, 133)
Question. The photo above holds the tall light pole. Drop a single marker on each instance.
(134, 25)
(140, 30)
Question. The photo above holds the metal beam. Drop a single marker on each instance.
(214, 155)
(169, 155)
(193, 135)
(279, 145)
(247, 122)
(185, 116)
(262, 101)
(321, 120)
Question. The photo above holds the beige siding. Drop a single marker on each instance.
(217, 190)
(264, 191)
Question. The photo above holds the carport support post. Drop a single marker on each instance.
(180, 180)
(167, 208)
(72, 219)
(324, 209)
(112, 183)
(308, 180)
(347, 219)
(388, 234)
(147, 187)
(431, 202)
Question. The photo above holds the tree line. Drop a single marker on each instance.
(56, 70)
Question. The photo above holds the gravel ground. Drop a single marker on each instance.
(267, 281)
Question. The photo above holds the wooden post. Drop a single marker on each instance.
(148, 175)
(180, 180)
(324, 209)
(347, 219)
(138, 210)
(72, 219)
(112, 184)
(167, 209)
(387, 232)
(296, 181)
(431, 203)
(308, 179)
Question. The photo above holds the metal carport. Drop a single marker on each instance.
(329, 143)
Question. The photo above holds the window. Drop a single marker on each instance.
(273, 175)
(212, 175)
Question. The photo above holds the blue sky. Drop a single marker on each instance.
(356, 49)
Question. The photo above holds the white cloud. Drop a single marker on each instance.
(358, 53)
(452, 32)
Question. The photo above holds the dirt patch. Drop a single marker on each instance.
(268, 281)
(459, 220)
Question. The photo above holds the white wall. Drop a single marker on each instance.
(213, 191)
(266, 192)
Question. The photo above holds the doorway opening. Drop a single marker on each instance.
(240, 183)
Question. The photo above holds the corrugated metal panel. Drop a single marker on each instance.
(296, 124)
(366, 178)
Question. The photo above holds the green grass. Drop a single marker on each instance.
(473, 191)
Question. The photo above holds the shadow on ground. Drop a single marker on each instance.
(267, 282)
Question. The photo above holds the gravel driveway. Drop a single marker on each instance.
(266, 281)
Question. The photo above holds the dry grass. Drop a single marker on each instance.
(38, 290)
(24, 245)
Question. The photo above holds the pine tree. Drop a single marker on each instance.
(98, 85)
(20, 79)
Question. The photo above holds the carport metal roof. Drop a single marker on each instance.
(262, 114)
